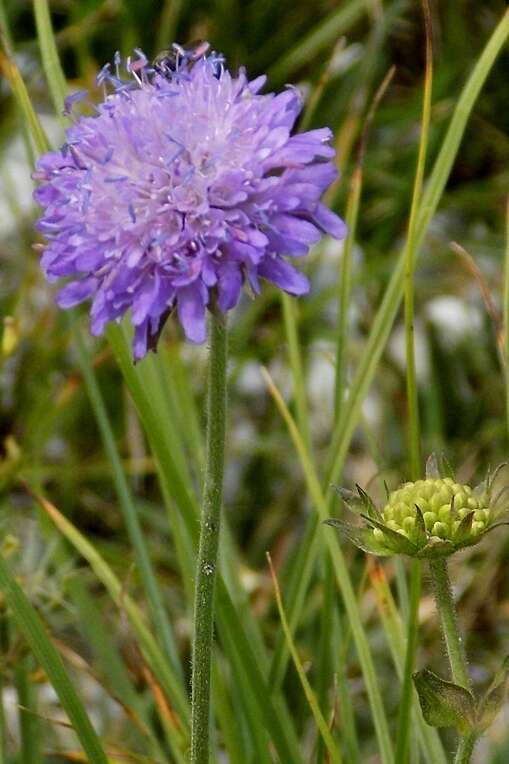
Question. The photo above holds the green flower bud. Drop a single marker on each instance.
(440, 530)
(428, 518)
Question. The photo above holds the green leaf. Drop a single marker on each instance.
(154, 596)
(155, 658)
(445, 704)
(362, 537)
(357, 502)
(368, 503)
(324, 34)
(49, 55)
(30, 625)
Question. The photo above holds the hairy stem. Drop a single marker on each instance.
(447, 613)
(209, 541)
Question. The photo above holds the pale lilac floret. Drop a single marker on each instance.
(185, 182)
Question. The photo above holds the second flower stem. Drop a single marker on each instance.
(447, 613)
(209, 541)
(454, 644)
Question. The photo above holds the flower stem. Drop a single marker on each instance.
(446, 610)
(209, 540)
(465, 749)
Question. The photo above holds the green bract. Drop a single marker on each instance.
(429, 518)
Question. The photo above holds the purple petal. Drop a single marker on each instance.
(283, 275)
(140, 341)
(329, 221)
(144, 299)
(230, 283)
(75, 292)
(191, 313)
(296, 228)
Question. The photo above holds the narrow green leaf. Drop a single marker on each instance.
(34, 632)
(13, 76)
(429, 741)
(161, 434)
(29, 724)
(387, 312)
(342, 578)
(360, 536)
(333, 751)
(130, 514)
(323, 35)
(159, 666)
(290, 312)
(49, 55)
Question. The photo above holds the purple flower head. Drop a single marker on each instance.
(186, 181)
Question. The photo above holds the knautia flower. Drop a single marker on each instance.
(186, 181)
(429, 518)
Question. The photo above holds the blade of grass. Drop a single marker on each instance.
(113, 586)
(173, 369)
(160, 433)
(334, 753)
(27, 708)
(386, 314)
(301, 569)
(232, 619)
(345, 280)
(304, 564)
(270, 708)
(130, 514)
(429, 740)
(290, 309)
(347, 719)
(233, 740)
(12, 74)
(323, 35)
(46, 654)
(49, 56)
(414, 434)
(259, 737)
(325, 666)
(168, 23)
(342, 578)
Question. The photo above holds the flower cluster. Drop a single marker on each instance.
(429, 518)
(185, 181)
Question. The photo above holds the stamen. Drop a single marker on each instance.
(70, 100)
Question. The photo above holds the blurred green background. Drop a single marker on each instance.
(339, 51)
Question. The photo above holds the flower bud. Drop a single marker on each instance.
(427, 518)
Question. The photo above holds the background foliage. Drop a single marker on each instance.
(338, 53)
